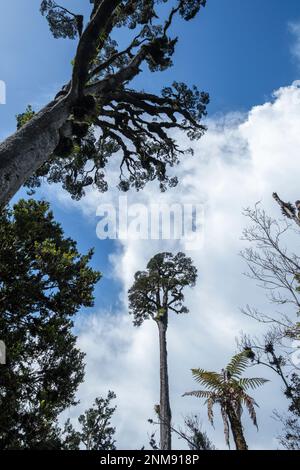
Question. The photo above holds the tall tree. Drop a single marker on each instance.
(229, 390)
(59, 144)
(157, 291)
(44, 281)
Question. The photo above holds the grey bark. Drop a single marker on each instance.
(26, 150)
(165, 409)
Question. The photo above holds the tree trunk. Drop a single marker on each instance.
(26, 150)
(237, 430)
(165, 409)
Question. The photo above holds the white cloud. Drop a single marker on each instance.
(241, 160)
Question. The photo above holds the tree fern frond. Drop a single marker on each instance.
(199, 394)
(211, 380)
(210, 403)
(238, 364)
(253, 382)
(226, 425)
(250, 403)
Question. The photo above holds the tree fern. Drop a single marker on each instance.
(228, 389)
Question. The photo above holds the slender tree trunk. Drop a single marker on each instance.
(237, 430)
(165, 409)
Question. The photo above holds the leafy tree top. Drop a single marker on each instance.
(106, 115)
(160, 287)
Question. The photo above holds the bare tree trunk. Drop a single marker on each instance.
(165, 409)
(26, 150)
(237, 430)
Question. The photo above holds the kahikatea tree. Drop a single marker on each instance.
(44, 281)
(59, 143)
(156, 292)
(96, 431)
(229, 390)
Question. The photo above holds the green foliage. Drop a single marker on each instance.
(96, 432)
(190, 8)
(143, 11)
(237, 365)
(160, 53)
(63, 23)
(71, 170)
(25, 117)
(160, 288)
(135, 126)
(44, 281)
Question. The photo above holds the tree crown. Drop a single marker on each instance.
(107, 115)
(160, 287)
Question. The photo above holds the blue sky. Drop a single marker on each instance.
(240, 51)
(237, 50)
